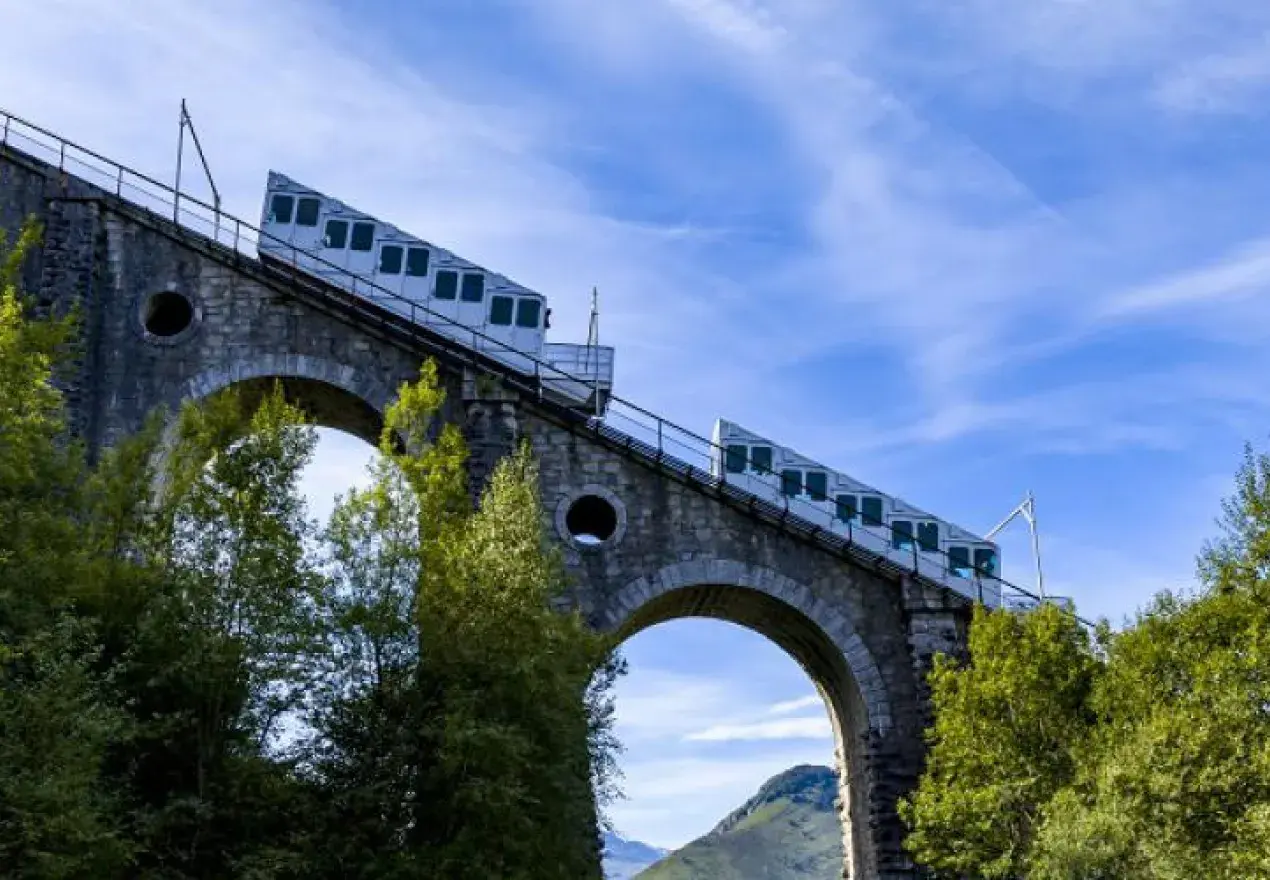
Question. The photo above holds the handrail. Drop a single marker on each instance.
(691, 444)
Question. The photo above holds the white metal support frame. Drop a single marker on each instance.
(1027, 510)
(187, 120)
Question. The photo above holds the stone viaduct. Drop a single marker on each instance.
(170, 314)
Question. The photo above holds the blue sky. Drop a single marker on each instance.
(958, 249)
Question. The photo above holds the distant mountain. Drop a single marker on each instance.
(788, 831)
(623, 858)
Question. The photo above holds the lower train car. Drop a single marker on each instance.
(430, 285)
(936, 548)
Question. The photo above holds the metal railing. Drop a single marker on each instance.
(625, 425)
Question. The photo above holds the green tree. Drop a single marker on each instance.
(1007, 732)
(1178, 776)
(461, 729)
(57, 819)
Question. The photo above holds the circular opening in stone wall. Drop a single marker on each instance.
(591, 520)
(168, 314)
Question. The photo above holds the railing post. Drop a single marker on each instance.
(61, 156)
(659, 441)
(237, 232)
(119, 181)
(5, 140)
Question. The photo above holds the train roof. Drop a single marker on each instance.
(725, 430)
(279, 182)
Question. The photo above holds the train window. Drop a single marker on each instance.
(901, 534)
(817, 485)
(363, 237)
(959, 561)
(846, 507)
(791, 482)
(473, 287)
(528, 311)
(447, 284)
(735, 462)
(761, 459)
(281, 208)
(336, 234)
(928, 536)
(500, 311)
(390, 259)
(871, 510)
(306, 212)
(417, 262)
(986, 560)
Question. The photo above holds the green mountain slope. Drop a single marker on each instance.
(788, 831)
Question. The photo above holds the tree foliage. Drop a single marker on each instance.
(1151, 761)
(197, 682)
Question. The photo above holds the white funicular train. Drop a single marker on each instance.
(377, 261)
(836, 502)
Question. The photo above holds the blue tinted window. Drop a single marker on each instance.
(417, 263)
(817, 485)
(959, 561)
(846, 507)
(761, 459)
(281, 208)
(735, 461)
(986, 560)
(871, 510)
(473, 287)
(306, 212)
(390, 259)
(527, 312)
(901, 534)
(928, 536)
(447, 284)
(791, 482)
(363, 236)
(500, 311)
(336, 234)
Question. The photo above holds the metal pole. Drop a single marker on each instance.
(1036, 545)
(180, 150)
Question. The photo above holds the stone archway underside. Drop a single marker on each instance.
(818, 636)
(332, 394)
(701, 589)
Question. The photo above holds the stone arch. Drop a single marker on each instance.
(817, 635)
(836, 627)
(337, 395)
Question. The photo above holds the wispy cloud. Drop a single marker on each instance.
(788, 706)
(1232, 81)
(784, 729)
(1243, 273)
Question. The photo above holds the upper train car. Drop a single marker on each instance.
(836, 502)
(459, 299)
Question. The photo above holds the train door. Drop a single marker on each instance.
(444, 303)
(303, 234)
(361, 249)
(333, 247)
(471, 304)
(390, 262)
(415, 282)
(527, 330)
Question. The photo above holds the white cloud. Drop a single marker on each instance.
(795, 705)
(786, 728)
(1229, 81)
(1243, 273)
